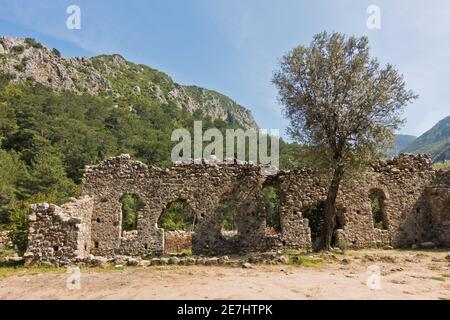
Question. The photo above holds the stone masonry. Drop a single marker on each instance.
(415, 207)
(59, 235)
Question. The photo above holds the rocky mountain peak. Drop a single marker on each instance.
(27, 59)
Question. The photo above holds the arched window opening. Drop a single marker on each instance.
(227, 212)
(178, 220)
(377, 200)
(178, 215)
(316, 218)
(131, 205)
(271, 200)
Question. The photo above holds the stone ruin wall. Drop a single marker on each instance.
(177, 241)
(402, 182)
(416, 208)
(437, 196)
(203, 187)
(59, 235)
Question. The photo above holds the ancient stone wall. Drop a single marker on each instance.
(437, 196)
(406, 178)
(415, 208)
(177, 241)
(203, 186)
(401, 182)
(59, 235)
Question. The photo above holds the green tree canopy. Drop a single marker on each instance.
(342, 104)
(48, 177)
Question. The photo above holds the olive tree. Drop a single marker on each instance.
(341, 103)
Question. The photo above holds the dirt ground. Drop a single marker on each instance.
(404, 275)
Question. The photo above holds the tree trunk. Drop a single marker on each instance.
(330, 208)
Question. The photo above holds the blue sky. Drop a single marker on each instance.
(234, 46)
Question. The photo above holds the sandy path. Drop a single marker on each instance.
(421, 276)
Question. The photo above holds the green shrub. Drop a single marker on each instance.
(18, 225)
(442, 165)
(12, 175)
(131, 205)
(227, 211)
(18, 49)
(33, 43)
(185, 253)
(22, 65)
(377, 203)
(56, 52)
(304, 261)
(271, 204)
(177, 216)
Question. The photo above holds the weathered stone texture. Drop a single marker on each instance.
(203, 186)
(177, 241)
(438, 198)
(59, 235)
(416, 208)
(402, 183)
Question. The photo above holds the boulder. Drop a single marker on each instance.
(101, 262)
(174, 260)
(144, 263)
(283, 259)
(132, 262)
(427, 245)
(212, 261)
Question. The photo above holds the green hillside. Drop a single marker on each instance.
(435, 141)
